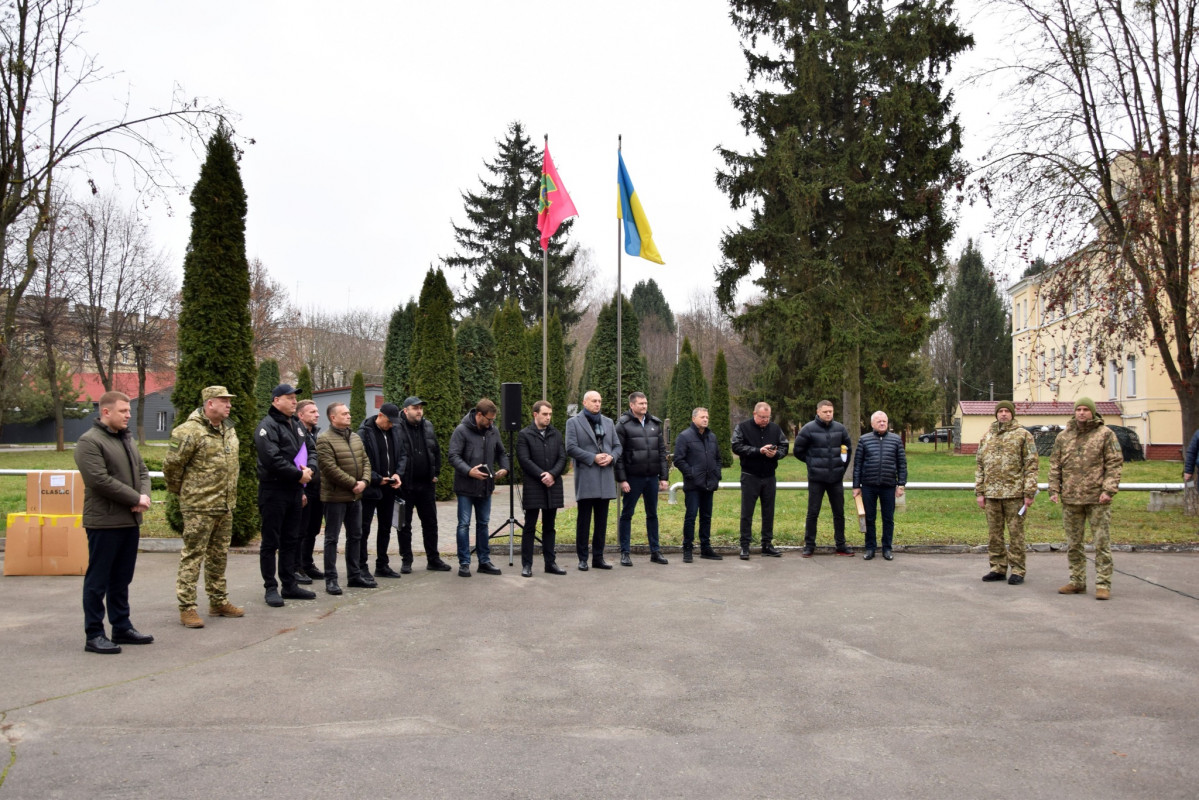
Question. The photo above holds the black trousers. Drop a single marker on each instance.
(754, 489)
(421, 498)
(587, 509)
(381, 507)
(836, 502)
(111, 557)
(280, 508)
(548, 536)
(312, 517)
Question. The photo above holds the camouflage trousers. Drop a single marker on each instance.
(1074, 518)
(205, 543)
(1001, 512)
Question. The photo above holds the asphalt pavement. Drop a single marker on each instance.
(827, 677)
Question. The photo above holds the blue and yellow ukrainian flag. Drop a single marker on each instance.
(638, 238)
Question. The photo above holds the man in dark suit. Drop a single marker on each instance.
(542, 457)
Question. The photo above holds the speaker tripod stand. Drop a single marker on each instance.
(511, 524)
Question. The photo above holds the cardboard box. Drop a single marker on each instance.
(45, 544)
(54, 492)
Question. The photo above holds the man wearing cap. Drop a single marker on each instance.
(1005, 483)
(1084, 472)
(201, 467)
(386, 454)
(279, 439)
(422, 463)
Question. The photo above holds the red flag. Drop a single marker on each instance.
(555, 205)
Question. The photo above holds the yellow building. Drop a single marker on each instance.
(1054, 360)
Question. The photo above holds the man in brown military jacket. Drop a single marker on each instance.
(201, 467)
(1005, 483)
(1084, 470)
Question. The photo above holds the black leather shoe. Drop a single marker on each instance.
(302, 577)
(131, 636)
(314, 573)
(808, 552)
(487, 568)
(405, 567)
(771, 550)
(1014, 580)
(361, 583)
(526, 571)
(887, 554)
(583, 566)
(296, 593)
(273, 599)
(463, 571)
(386, 572)
(101, 644)
(626, 560)
(844, 551)
(744, 553)
(600, 564)
(331, 586)
(554, 569)
(868, 555)
(656, 557)
(991, 577)
(438, 566)
(686, 556)
(710, 554)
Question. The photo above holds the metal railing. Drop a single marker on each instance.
(1124, 487)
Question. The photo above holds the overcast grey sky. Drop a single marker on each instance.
(370, 118)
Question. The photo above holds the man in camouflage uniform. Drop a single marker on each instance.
(1084, 470)
(201, 468)
(1005, 483)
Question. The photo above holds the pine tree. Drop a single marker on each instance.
(846, 186)
(268, 379)
(435, 368)
(499, 246)
(396, 354)
(476, 363)
(599, 362)
(214, 332)
(688, 389)
(720, 418)
(357, 401)
(304, 383)
(647, 299)
(981, 331)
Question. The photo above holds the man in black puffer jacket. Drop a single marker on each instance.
(823, 444)
(641, 471)
(697, 456)
(385, 450)
(880, 470)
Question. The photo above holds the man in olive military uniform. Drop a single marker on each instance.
(1084, 471)
(1005, 483)
(201, 467)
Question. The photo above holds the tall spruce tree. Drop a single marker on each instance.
(981, 331)
(396, 354)
(499, 246)
(268, 379)
(720, 418)
(357, 401)
(647, 300)
(435, 368)
(476, 363)
(599, 362)
(846, 187)
(215, 333)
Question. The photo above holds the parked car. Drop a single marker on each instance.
(939, 435)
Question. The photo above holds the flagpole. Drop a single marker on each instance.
(619, 309)
(545, 305)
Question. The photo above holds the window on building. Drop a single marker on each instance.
(1131, 377)
(162, 421)
(1113, 379)
(1061, 364)
(1090, 356)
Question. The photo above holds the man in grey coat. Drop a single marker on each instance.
(592, 442)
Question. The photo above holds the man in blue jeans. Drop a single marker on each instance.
(880, 470)
(642, 472)
(475, 451)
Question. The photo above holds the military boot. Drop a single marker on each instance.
(190, 619)
(226, 609)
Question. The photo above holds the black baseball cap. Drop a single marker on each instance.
(390, 411)
(413, 401)
(282, 389)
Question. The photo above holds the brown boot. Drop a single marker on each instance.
(190, 619)
(226, 609)
(1070, 588)
(1103, 593)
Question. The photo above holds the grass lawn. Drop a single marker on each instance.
(931, 517)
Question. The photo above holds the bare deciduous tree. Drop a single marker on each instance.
(271, 314)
